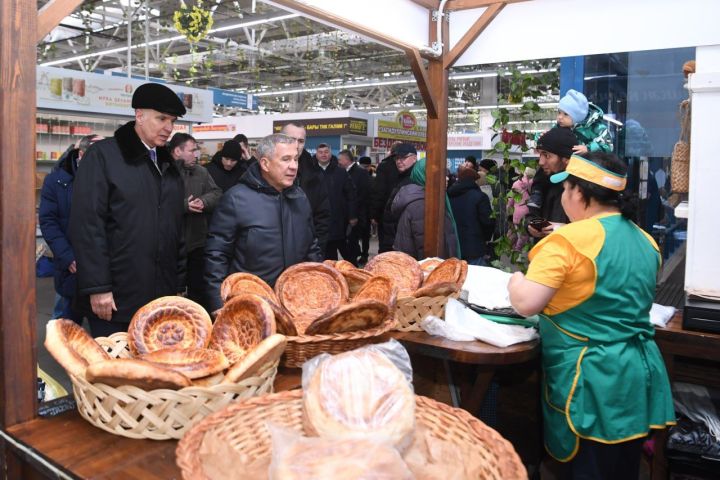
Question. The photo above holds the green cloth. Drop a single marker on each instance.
(604, 376)
(418, 177)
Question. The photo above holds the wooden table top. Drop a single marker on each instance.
(673, 339)
(477, 352)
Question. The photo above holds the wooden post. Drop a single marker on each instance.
(436, 148)
(18, 359)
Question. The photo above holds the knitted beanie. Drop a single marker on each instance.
(574, 104)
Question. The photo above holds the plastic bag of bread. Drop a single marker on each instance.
(296, 457)
(362, 393)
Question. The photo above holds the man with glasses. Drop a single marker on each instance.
(405, 158)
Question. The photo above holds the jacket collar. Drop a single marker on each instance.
(254, 179)
(133, 150)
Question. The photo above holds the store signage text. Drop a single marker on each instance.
(327, 126)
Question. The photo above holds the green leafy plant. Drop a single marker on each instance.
(194, 23)
(525, 90)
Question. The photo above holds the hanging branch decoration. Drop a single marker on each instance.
(194, 23)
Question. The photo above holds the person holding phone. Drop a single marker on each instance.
(605, 386)
(555, 147)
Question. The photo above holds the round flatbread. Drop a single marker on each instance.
(448, 271)
(309, 290)
(191, 362)
(72, 347)
(241, 282)
(463, 274)
(429, 264)
(362, 315)
(402, 269)
(355, 279)
(443, 289)
(241, 324)
(344, 265)
(378, 288)
(269, 350)
(283, 320)
(210, 381)
(169, 322)
(359, 393)
(138, 373)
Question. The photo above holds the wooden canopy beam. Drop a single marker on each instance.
(423, 82)
(18, 355)
(472, 34)
(51, 14)
(456, 5)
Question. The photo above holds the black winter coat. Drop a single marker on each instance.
(126, 224)
(361, 179)
(199, 184)
(258, 230)
(312, 183)
(225, 179)
(386, 178)
(473, 217)
(341, 196)
(409, 207)
(551, 207)
(389, 219)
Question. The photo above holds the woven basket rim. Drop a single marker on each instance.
(190, 443)
(386, 326)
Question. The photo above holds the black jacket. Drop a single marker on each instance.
(386, 179)
(473, 217)
(341, 195)
(361, 179)
(126, 224)
(259, 230)
(225, 179)
(551, 207)
(199, 184)
(389, 219)
(312, 183)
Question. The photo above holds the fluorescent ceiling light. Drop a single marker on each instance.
(168, 40)
(332, 87)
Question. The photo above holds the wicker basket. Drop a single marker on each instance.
(304, 347)
(411, 310)
(241, 425)
(157, 414)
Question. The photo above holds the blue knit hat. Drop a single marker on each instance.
(574, 104)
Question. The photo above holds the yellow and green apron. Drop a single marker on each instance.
(603, 376)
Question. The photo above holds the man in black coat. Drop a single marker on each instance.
(126, 221)
(343, 203)
(263, 225)
(473, 215)
(312, 183)
(227, 165)
(404, 160)
(386, 178)
(361, 179)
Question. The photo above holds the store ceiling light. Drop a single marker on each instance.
(168, 40)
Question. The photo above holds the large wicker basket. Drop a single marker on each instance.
(411, 310)
(304, 347)
(157, 414)
(242, 426)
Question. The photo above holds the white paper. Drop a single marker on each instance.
(487, 287)
(660, 315)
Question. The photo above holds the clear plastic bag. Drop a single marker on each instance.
(295, 457)
(365, 392)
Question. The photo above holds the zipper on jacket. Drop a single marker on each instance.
(282, 231)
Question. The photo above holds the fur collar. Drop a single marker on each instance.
(133, 150)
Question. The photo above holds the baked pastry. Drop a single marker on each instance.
(442, 289)
(309, 290)
(330, 458)
(283, 320)
(192, 362)
(344, 265)
(429, 264)
(362, 315)
(329, 263)
(209, 381)
(463, 273)
(169, 322)
(241, 324)
(448, 271)
(359, 393)
(138, 373)
(269, 350)
(378, 288)
(402, 269)
(72, 347)
(241, 282)
(355, 279)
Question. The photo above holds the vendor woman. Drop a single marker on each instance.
(605, 385)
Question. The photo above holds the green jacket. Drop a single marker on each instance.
(592, 132)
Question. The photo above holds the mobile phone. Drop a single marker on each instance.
(539, 223)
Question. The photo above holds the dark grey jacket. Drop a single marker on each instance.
(409, 206)
(126, 224)
(199, 184)
(258, 230)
